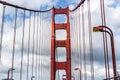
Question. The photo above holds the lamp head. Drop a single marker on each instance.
(13, 68)
(97, 29)
(76, 68)
(33, 76)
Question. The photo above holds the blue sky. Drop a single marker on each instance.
(112, 18)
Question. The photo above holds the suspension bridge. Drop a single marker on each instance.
(56, 44)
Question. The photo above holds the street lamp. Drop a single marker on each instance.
(32, 77)
(10, 69)
(78, 69)
(109, 31)
(73, 78)
(64, 77)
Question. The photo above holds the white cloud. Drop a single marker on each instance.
(7, 46)
(112, 16)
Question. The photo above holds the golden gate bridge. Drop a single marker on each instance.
(34, 36)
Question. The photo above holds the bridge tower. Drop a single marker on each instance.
(56, 65)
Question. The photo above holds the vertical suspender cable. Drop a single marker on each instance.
(22, 50)
(33, 46)
(104, 18)
(76, 37)
(14, 39)
(78, 41)
(80, 64)
(105, 40)
(28, 45)
(35, 38)
(84, 46)
(42, 46)
(37, 48)
(90, 40)
(74, 34)
(2, 29)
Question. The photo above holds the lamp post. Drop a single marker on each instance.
(10, 69)
(109, 31)
(32, 77)
(64, 77)
(73, 78)
(79, 71)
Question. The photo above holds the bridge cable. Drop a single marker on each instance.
(36, 47)
(35, 38)
(28, 53)
(105, 40)
(23, 8)
(41, 46)
(14, 39)
(76, 35)
(33, 44)
(37, 44)
(2, 30)
(84, 46)
(78, 41)
(39, 49)
(22, 50)
(80, 53)
(90, 39)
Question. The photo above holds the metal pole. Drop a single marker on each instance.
(32, 77)
(113, 57)
(79, 73)
(100, 28)
(10, 69)
(113, 50)
(8, 73)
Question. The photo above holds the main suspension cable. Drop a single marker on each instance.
(23, 8)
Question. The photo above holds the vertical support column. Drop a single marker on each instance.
(68, 49)
(66, 65)
(53, 48)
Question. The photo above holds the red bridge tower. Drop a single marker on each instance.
(66, 65)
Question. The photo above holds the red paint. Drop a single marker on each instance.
(60, 43)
